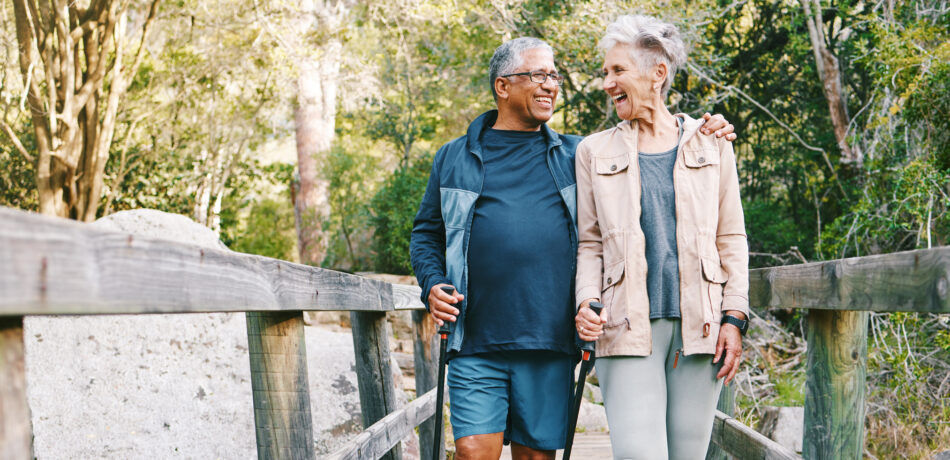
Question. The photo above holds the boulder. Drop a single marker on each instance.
(784, 425)
(159, 224)
(592, 393)
(592, 417)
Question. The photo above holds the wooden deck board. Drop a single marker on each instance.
(587, 446)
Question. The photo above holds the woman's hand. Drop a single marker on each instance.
(730, 342)
(590, 326)
(718, 124)
(441, 304)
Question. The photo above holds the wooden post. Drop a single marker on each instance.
(16, 427)
(278, 353)
(726, 405)
(835, 387)
(426, 353)
(374, 370)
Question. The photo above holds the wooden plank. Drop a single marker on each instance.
(58, 266)
(726, 405)
(426, 355)
(397, 425)
(835, 386)
(278, 355)
(374, 376)
(406, 297)
(16, 428)
(903, 281)
(745, 443)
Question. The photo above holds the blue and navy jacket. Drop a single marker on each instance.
(440, 232)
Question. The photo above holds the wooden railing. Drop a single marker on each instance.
(53, 266)
(838, 295)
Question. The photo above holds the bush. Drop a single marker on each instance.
(393, 209)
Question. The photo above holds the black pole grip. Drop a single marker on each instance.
(444, 329)
(596, 307)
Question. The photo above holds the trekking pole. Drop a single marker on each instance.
(587, 361)
(440, 391)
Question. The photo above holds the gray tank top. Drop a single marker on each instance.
(658, 221)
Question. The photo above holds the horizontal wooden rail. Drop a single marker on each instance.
(383, 435)
(56, 266)
(745, 443)
(916, 281)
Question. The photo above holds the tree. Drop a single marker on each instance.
(314, 121)
(829, 71)
(73, 62)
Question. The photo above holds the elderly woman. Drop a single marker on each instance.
(663, 247)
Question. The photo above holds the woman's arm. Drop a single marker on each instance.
(731, 240)
(733, 249)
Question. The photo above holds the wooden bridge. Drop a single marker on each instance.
(54, 266)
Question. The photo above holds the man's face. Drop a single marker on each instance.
(532, 103)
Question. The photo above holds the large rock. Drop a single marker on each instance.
(158, 224)
(784, 425)
(592, 417)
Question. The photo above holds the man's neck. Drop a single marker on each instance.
(506, 122)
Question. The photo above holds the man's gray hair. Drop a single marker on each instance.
(651, 41)
(508, 57)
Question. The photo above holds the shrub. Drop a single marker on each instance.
(393, 209)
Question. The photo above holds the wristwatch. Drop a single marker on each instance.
(742, 324)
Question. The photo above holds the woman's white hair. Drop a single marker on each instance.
(651, 42)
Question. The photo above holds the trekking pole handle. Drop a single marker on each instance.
(444, 330)
(596, 307)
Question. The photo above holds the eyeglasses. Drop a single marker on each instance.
(538, 76)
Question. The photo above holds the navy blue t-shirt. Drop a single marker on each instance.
(519, 252)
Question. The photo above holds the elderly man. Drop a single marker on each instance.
(498, 223)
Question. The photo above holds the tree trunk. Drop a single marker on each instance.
(830, 73)
(66, 51)
(314, 123)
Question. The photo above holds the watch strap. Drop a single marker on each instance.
(742, 324)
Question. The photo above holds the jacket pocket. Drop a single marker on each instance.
(613, 274)
(715, 277)
(698, 158)
(611, 165)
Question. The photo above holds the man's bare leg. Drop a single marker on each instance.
(480, 446)
(519, 452)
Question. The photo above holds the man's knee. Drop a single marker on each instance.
(479, 446)
(519, 452)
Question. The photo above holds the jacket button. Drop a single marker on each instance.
(613, 167)
(610, 280)
(701, 159)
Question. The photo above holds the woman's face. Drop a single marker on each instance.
(630, 90)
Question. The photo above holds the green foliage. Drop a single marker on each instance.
(393, 209)
(353, 177)
(907, 376)
(17, 175)
(902, 208)
(268, 230)
(789, 389)
(261, 223)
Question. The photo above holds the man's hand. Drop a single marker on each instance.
(730, 342)
(590, 326)
(440, 304)
(718, 124)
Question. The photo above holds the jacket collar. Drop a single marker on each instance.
(486, 120)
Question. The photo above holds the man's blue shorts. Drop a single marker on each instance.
(524, 393)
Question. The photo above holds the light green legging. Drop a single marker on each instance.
(655, 411)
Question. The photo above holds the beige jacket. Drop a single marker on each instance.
(710, 238)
